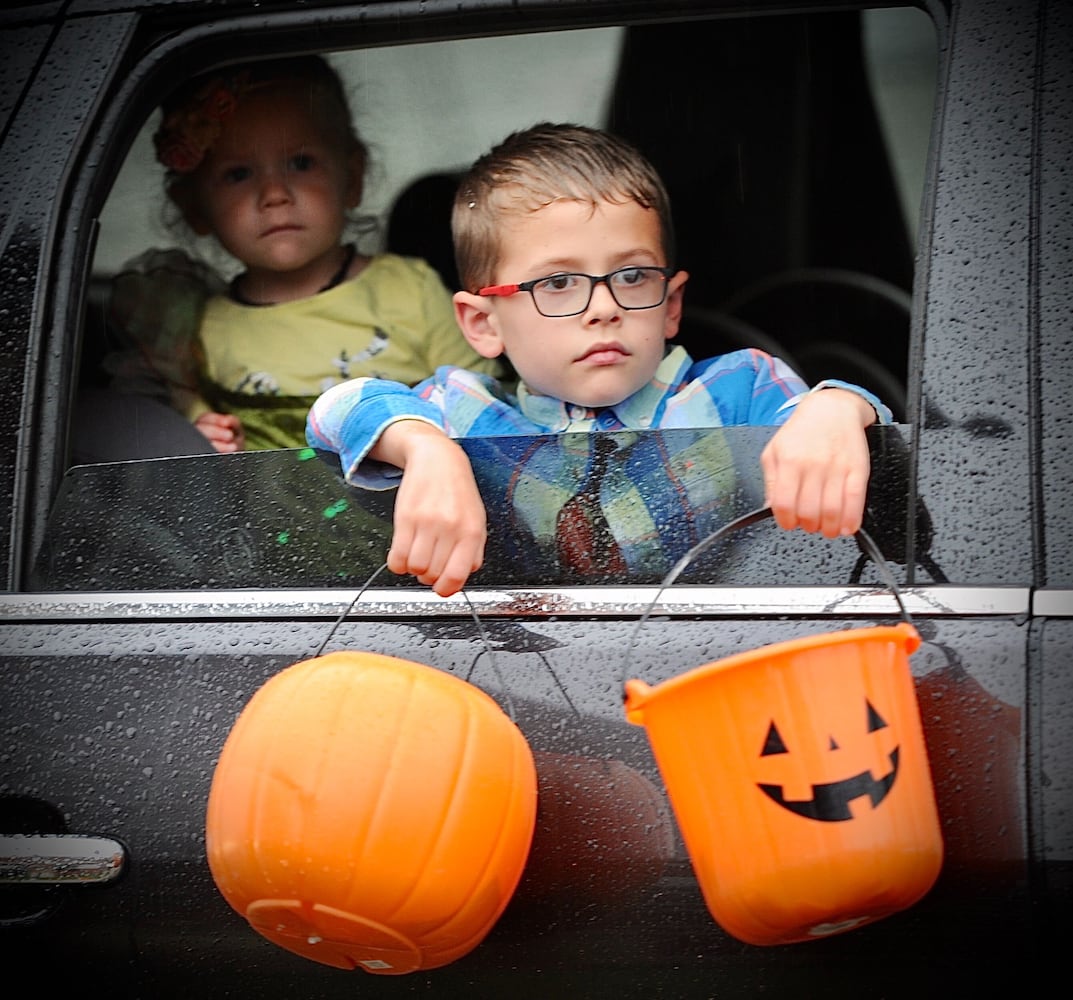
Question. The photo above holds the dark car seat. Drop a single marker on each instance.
(419, 224)
(785, 207)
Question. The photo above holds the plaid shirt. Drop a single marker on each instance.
(651, 496)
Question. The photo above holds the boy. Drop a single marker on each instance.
(563, 240)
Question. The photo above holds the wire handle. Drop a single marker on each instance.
(476, 618)
(863, 539)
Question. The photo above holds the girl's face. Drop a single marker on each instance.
(274, 188)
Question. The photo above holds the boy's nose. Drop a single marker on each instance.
(602, 305)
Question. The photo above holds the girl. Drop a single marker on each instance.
(264, 158)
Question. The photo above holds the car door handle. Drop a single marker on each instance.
(60, 859)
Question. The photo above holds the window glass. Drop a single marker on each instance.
(571, 509)
(901, 59)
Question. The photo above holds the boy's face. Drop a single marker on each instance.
(601, 356)
(274, 189)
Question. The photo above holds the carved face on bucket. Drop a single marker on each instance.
(834, 782)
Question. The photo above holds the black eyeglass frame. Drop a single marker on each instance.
(594, 279)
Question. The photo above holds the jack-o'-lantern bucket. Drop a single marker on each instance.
(369, 812)
(799, 778)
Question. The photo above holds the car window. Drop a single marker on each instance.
(794, 149)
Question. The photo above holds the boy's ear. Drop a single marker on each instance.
(182, 196)
(674, 304)
(355, 184)
(474, 316)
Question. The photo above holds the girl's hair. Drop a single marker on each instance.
(537, 166)
(195, 115)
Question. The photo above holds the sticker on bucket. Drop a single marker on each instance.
(799, 778)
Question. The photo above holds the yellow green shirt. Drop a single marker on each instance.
(268, 364)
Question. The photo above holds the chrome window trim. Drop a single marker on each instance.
(591, 602)
(1056, 603)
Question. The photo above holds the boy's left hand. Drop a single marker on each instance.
(816, 465)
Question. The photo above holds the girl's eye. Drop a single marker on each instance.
(301, 162)
(235, 175)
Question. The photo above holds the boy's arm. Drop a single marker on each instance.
(349, 418)
(440, 521)
(816, 466)
(380, 428)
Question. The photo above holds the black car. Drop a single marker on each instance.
(879, 194)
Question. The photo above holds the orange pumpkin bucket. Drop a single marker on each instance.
(369, 812)
(799, 779)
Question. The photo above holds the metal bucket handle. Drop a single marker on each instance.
(863, 539)
(476, 618)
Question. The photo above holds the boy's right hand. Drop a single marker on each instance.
(440, 521)
(224, 431)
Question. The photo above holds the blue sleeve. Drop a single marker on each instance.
(753, 388)
(883, 413)
(743, 388)
(349, 418)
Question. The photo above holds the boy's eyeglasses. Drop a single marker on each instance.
(570, 294)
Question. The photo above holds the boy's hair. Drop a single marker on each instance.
(196, 113)
(539, 165)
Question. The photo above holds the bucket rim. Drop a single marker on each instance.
(903, 632)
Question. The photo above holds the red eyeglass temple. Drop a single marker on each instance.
(498, 290)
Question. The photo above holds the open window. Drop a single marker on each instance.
(794, 150)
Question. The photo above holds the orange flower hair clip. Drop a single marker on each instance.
(189, 131)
